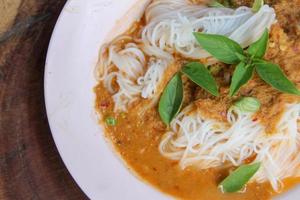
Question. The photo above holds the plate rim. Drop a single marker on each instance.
(46, 81)
(153, 191)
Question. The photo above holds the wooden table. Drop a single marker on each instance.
(30, 166)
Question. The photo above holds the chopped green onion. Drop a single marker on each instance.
(110, 121)
(247, 105)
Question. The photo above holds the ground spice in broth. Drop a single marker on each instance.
(136, 140)
(136, 136)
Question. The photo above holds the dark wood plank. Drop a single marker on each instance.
(30, 166)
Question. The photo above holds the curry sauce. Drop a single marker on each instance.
(137, 135)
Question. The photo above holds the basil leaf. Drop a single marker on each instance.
(239, 178)
(257, 60)
(171, 99)
(200, 75)
(242, 74)
(259, 48)
(216, 4)
(257, 5)
(241, 57)
(221, 47)
(273, 75)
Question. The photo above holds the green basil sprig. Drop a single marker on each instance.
(200, 75)
(222, 48)
(273, 75)
(242, 74)
(230, 52)
(259, 48)
(171, 99)
(239, 178)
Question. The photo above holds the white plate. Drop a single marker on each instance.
(69, 81)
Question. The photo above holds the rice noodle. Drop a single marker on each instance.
(279, 153)
(126, 67)
(206, 143)
(170, 24)
(152, 77)
(135, 71)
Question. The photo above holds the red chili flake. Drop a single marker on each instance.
(104, 104)
(254, 120)
(223, 114)
(296, 49)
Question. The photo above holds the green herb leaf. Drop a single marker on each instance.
(216, 4)
(221, 47)
(200, 75)
(257, 5)
(273, 75)
(110, 121)
(241, 57)
(242, 74)
(239, 178)
(259, 48)
(247, 105)
(171, 99)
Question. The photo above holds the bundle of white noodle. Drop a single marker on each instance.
(170, 26)
(128, 68)
(205, 143)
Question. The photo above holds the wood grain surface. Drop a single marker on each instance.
(30, 166)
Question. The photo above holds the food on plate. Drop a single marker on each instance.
(201, 98)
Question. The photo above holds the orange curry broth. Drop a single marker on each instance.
(136, 137)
